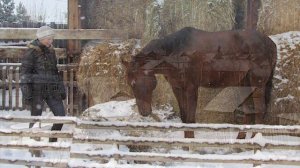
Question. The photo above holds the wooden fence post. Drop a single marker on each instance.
(252, 14)
(71, 107)
(17, 86)
(74, 46)
(65, 79)
(10, 83)
(3, 87)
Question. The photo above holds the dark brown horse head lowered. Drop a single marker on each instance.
(142, 83)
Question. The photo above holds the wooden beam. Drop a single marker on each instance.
(18, 52)
(160, 157)
(60, 163)
(64, 34)
(43, 119)
(74, 46)
(193, 143)
(36, 146)
(59, 66)
(73, 14)
(295, 130)
(252, 14)
(36, 133)
(274, 129)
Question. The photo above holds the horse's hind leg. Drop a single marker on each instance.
(260, 107)
(259, 102)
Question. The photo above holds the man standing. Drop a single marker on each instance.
(40, 80)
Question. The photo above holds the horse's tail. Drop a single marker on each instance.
(269, 89)
(269, 84)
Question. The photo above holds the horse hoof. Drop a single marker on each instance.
(241, 135)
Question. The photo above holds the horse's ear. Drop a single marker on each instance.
(125, 63)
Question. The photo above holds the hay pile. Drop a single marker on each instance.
(286, 91)
(101, 73)
(279, 16)
(168, 16)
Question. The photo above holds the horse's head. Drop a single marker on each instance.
(142, 83)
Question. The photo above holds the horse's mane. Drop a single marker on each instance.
(169, 44)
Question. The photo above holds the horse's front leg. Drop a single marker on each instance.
(187, 101)
(190, 107)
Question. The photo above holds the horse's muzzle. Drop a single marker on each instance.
(144, 107)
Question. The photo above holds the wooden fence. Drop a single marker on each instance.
(11, 96)
(76, 137)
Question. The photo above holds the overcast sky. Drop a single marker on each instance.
(52, 10)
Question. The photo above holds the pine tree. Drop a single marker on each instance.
(22, 14)
(1, 12)
(7, 7)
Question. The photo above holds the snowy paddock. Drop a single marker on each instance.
(116, 123)
(113, 135)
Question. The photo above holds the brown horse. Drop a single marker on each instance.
(190, 58)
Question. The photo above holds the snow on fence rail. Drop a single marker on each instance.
(11, 97)
(257, 142)
(154, 157)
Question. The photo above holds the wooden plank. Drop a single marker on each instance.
(43, 119)
(192, 143)
(73, 14)
(15, 52)
(106, 165)
(10, 83)
(74, 22)
(252, 14)
(3, 87)
(59, 163)
(59, 66)
(274, 129)
(36, 146)
(36, 133)
(159, 157)
(65, 79)
(229, 99)
(64, 34)
(71, 98)
(189, 127)
(17, 86)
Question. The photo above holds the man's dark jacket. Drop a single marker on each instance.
(39, 73)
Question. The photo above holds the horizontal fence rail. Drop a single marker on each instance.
(17, 52)
(227, 143)
(65, 34)
(77, 138)
(117, 125)
(156, 157)
(36, 146)
(36, 161)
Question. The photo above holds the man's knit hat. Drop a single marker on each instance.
(45, 31)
